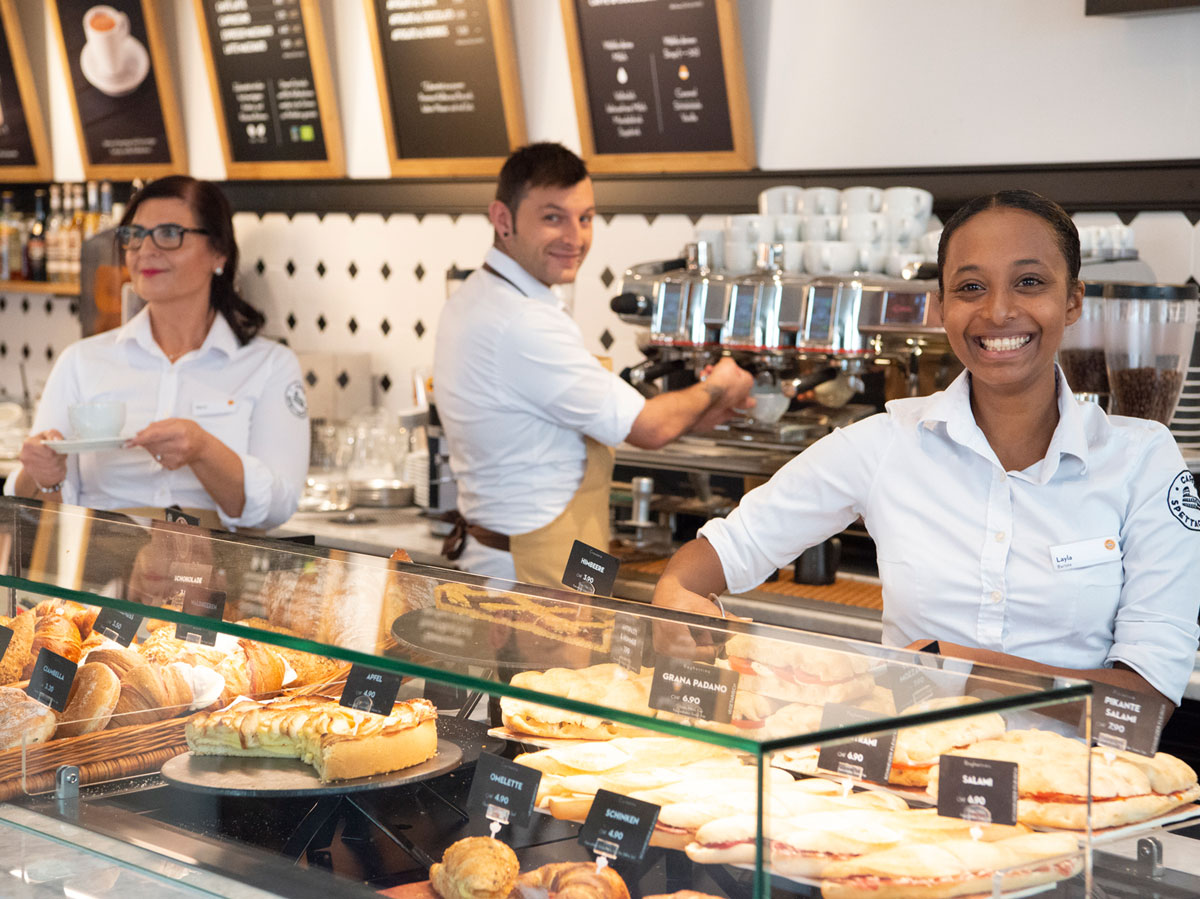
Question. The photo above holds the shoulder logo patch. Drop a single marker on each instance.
(296, 399)
(1183, 501)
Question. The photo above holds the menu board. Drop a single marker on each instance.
(24, 152)
(448, 79)
(272, 87)
(121, 88)
(659, 85)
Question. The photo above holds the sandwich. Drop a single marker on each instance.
(606, 685)
(797, 672)
(918, 748)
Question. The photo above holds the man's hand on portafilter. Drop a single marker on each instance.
(729, 385)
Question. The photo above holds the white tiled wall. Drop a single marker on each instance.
(399, 265)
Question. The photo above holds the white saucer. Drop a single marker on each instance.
(85, 444)
(132, 71)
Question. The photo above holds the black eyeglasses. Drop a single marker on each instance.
(165, 237)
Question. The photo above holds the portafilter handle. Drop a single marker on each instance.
(793, 387)
(633, 305)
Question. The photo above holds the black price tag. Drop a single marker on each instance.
(863, 758)
(1123, 719)
(979, 790)
(590, 571)
(118, 626)
(6, 635)
(694, 690)
(176, 515)
(51, 680)
(370, 690)
(908, 684)
(502, 790)
(618, 826)
(202, 603)
(628, 641)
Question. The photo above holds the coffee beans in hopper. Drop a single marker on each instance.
(1147, 392)
(1086, 370)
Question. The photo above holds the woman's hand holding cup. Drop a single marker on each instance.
(42, 463)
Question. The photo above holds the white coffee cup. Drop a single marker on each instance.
(749, 227)
(904, 231)
(864, 227)
(829, 257)
(106, 30)
(793, 256)
(898, 261)
(910, 201)
(788, 227)
(820, 227)
(92, 421)
(861, 199)
(822, 201)
(872, 257)
(1089, 240)
(928, 242)
(786, 199)
(739, 256)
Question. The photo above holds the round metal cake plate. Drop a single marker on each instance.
(455, 637)
(223, 775)
(472, 737)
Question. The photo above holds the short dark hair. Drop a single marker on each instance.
(537, 165)
(215, 216)
(1066, 234)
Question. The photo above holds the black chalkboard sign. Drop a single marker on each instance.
(270, 79)
(23, 147)
(659, 85)
(121, 88)
(447, 76)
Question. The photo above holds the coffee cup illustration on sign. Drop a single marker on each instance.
(113, 61)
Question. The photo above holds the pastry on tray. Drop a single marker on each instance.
(475, 868)
(340, 742)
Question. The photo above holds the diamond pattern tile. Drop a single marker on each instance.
(353, 270)
(342, 380)
(419, 271)
(606, 339)
(25, 351)
(260, 266)
(385, 326)
(311, 379)
(291, 268)
(24, 304)
(321, 269)
(291, 321)
(49, 354)
(3, 349)
(49, 306)
(607, 277)
(321, 323)
(352, 325)
(386, 271)
(419, 328)
(385, 383)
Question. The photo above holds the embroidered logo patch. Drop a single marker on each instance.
(297, 401)
(1183, 501)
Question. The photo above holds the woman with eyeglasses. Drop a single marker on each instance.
(217, 413)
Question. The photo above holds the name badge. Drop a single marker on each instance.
(1085, 553)
(214, 407)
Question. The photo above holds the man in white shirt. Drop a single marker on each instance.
(529, 413)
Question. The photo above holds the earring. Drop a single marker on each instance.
(219, 270)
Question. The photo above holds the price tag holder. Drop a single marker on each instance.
(628, 641)
(983, 791)
(51, 681)
(176, 515)
(370, 690)
(121, 627)
(618, 826)
(1123, 719)
(590, 571)
(867, 757)
(6, 635)
(908, 684)
(694, 690)
(202, 603)
(504, 791)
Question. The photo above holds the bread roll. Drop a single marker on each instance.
(13, 664)
(93, 698)
(56, 633)
(23, 718)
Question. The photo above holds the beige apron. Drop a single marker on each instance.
(540, 556)
(208, 518)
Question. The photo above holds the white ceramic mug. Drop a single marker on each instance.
(898, 261)
(822, 201)
(788, 227)
(928, 242)
(793, 256)
(739, 256)
(864, 227)
(912, 201)
(92, 421)
(750, 227)
(872, 257)
(786, 199)
(904, 231)
(820, 227)
(829, 257)
(106, 30)
(861, 199)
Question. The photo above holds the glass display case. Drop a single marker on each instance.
(227, 702)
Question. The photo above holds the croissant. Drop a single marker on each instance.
(150, 693)
(13, 663)
(119, 660)
(83, 617)
(475, 868)
(255, 670)
(575, 880)
(56, 633)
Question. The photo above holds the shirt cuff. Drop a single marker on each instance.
(256, 487)
(1166, 664)
(738, 579)
(627, 405)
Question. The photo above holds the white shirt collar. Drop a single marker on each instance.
(952, 406)
(525, 282)
(220, 336)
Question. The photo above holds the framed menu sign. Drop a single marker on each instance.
(659, 85)
(24, 150)
(273, 89)
(121, 89)
(447, 74)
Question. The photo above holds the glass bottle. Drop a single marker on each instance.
(106, 206)
(74, 243)
(35, 244)
(8, 235)
(54, 235)
(91, 218)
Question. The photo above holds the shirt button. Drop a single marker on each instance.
(1000, 535)
(997, 596)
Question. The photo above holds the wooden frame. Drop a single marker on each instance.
(505, 53)
(41, 170)
(167, 96)
(334, 164)
(740, 158)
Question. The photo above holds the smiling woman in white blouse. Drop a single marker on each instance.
(216, 417)
(1013, 524)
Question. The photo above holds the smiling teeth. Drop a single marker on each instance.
(1000, 344)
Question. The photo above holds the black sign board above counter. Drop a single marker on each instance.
(121, 88)
(448, 79)
(659, 85)
(24, 148)
(272, 86)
